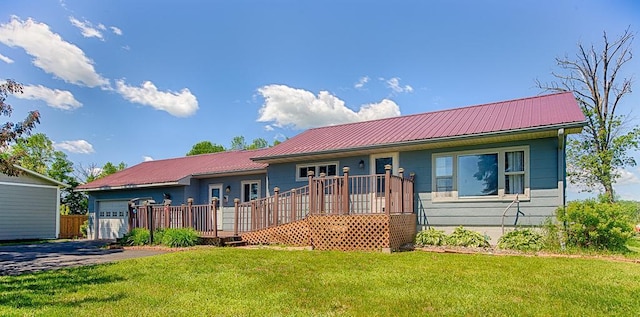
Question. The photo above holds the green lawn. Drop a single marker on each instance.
(241, 282)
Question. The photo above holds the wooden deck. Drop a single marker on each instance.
(373, 212)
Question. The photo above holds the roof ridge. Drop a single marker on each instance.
(439, 111)
(202, 155)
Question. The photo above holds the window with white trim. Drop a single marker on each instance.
(250, 190)
(488, 174)
(328, 168)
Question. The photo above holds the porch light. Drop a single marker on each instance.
(227, 189)
(361, 164)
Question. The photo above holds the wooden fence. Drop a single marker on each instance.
(70, 226)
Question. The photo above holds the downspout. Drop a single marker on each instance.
(57, 212)
(562, 168)
(562, 175)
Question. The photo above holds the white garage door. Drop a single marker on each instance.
(112, 218)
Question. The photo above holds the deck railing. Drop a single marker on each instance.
(201, 218)
(339, 195)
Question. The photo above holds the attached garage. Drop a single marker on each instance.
(29, 207)
(112, 219)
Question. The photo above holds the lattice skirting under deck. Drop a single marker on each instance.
(341, 232)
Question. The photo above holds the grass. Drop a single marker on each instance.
(240, 282)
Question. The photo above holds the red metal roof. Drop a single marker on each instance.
(176, 169)
(555, 110)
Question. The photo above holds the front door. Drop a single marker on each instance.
(215, 190)
(377, 164)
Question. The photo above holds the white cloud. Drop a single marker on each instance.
(268, 127)
(182, 104)
(77, 146)
(301, 109)
(55, 98)
(116, 30)
(361, 82)
(50, 52)
(147, 158)
(627, 177)
(102, 27)
(394, 84)
(86, 28)
(5, 59)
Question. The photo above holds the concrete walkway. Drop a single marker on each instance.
(27, 258)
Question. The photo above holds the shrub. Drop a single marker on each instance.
(521, 239)
(84, 227)
(598, 224)
(158, 235)
(183, 237)
(431, 236)
(137, 236)
(467, 238)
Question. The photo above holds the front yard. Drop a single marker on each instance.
(267, 282)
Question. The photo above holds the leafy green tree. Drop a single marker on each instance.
(109, 168)
(37, 152)
(10, 132)
(596, 78)
(61, 169)
(239, 143)
(205, 147)
(258, 143)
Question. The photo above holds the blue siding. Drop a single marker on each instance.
(176, 192)
(283, 175)
(544, 196)
(234, 182)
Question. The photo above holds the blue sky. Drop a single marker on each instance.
(137, 80)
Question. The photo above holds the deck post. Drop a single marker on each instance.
(214, 214)
(401, 174)
(236, 202)
(276, 202)
(320, 192)
(293, 206)
(387, 189)
(190, 213)
(254, 217)
(165, 208)
(345, 190)
(312, 193)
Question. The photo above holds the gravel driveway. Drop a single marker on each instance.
(26, 258)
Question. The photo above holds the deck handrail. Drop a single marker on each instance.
(334, 195)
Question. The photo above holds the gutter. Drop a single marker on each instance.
(570, 127)
(28, 171)
(185, 181)
(130, 186)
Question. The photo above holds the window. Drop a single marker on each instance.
(484, 174)
(328, 168)
(250, 190)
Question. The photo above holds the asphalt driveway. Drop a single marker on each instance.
(26, 258)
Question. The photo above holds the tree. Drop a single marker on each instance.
(258, 143)
(109, 168)
(595, 77)
(71, 201)
(10, 132)
(36, 152)
(205, 147)
(239, 143)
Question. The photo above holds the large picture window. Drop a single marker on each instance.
(485, 174)
(328, 168)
